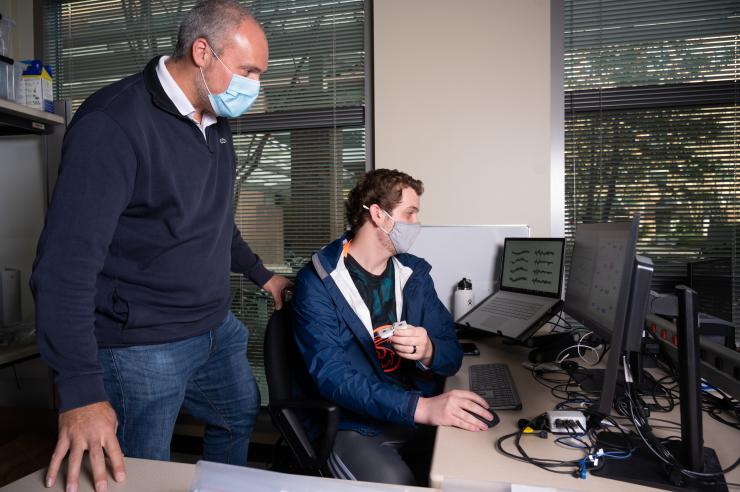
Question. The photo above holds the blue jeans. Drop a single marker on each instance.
(207, 375)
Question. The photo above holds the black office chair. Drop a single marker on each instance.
(287, 376)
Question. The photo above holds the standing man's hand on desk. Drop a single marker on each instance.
(453, 409)
(91, 428)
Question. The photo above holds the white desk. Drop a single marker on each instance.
(163, 476)
(463, 455)
(142, 476)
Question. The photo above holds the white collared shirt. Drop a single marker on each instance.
(179, 99)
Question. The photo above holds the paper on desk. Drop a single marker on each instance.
(217, 477)
(465, 485)
(530, 488)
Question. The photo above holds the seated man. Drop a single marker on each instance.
(350, 292)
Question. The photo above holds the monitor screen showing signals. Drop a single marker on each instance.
(532, 265)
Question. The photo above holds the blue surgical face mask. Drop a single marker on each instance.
(238, 96)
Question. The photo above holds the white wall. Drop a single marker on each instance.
(21, 39)
(22, 208)
(463, 102)
(22, 197)
(22, 181)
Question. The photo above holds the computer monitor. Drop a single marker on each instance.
(712, 280)
(637, 310)
(607, 292)
(598, 290)
(694, 466)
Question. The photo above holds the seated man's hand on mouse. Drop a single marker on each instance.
(489, 423)
(454, 408)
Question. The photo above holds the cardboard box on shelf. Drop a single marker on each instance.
(37, 86)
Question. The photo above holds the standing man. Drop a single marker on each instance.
(131, 279)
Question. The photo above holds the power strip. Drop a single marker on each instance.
(566, 422)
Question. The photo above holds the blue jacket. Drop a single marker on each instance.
(332, 331)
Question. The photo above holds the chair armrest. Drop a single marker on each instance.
(310, 404)
(326, 440)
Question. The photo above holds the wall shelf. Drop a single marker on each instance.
(16, 119)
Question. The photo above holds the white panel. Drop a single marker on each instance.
(22, 198)
(465, 251)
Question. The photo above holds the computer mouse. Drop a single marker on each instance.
(489, 423)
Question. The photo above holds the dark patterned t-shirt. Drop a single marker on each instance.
(379, 294)
(378, 291)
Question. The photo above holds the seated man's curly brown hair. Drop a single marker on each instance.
(381, 186)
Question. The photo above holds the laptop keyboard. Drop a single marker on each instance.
(511, 308)
(493, 382)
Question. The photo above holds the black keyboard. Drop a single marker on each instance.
(494, 383)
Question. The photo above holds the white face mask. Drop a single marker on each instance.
(402, 234)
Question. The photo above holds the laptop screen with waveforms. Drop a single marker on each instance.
(532, 265)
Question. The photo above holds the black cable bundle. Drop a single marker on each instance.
(673, 467)
(721, 407)
(580, 438)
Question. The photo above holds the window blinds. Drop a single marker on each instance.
(299, 149)
(651, 102)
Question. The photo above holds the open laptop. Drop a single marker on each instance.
(531, 288)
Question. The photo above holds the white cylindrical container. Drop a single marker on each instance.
(464, 298)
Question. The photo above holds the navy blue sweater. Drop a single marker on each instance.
(139, 237)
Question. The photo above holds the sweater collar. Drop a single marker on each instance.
(154, 86)
(159, 96)
(178, 97)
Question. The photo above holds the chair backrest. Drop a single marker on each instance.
(280, 353)
(287, 375)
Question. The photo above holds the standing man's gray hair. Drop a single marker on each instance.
(212, 20)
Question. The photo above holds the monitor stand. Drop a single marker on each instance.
(592, 380)
(643, 468)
